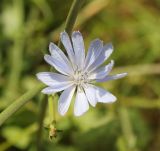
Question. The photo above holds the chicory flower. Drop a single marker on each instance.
(77, 73)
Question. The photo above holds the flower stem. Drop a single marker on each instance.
(51, 109)
(72, 15)
(17, 104)
(52, 116)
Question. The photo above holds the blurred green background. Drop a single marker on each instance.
(130, 124)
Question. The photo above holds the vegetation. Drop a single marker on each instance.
(130, 124)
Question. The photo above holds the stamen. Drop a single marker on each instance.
(80, 78)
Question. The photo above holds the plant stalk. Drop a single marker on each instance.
(72, 15)
(17, 104)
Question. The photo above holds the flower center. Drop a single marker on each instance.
(80, 78)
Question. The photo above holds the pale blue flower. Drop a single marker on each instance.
(77, 73)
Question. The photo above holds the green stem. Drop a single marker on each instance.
(72, 15)
(17, 104)
(51, 109)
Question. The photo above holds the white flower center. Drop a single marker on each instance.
(80, 78)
